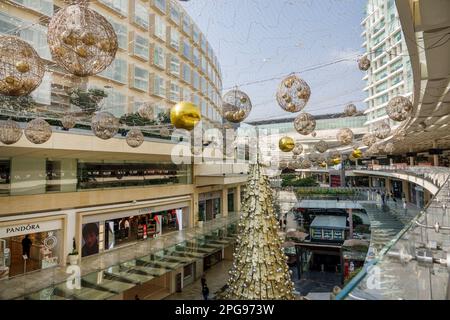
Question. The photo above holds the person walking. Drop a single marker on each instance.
(205, 292)
(26, 246)
(203, 280)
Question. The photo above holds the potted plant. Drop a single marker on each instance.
(73, 256)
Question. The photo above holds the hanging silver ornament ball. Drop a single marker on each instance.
(382, 130)
(399, 108)
(293, 94)
(10, 132)
(304, 123)
(313, 134)
(321, 146)
(135, 137)
(350, 110)
(164, 132)
(389, 148)
(236, 106)
(21, 68)
(81, 40)
(369, 139)
(345, 136)
(38, 131)
(105, 125)
(147, 111)
(68, 121)
(364, 63)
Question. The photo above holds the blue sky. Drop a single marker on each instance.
(261, 39)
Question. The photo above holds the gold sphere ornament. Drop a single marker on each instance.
(21, 68)
(105, 125)
(357, 154)
(304, 123)
(135, 137)
(236, 106)
(399, 108)
(185, 115)
(336, 161)
(382, 130)
(345, 136)
(286, 144)
(146, 111)
(293, 94)
(38, 131)
(321, 146)
(10, 132)
(68, 121)
(350, 110)
(369, 139)
(364, 63)
(81, 40)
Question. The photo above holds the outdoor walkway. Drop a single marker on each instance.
(19, 286)
(216, 278)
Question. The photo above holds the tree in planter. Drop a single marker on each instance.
(87, 101)
(23, 104)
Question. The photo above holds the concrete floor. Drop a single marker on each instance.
(216, 278)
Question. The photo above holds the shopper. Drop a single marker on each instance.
(26, 246)
(205, 292)
(203, 280)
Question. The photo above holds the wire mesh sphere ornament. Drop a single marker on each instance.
(345, 136)
(164, 132)
(293, 94)
(298, 149)
(135, 138)
(369, 139)
(146, 111)
(399, 108)
(104, 125)
(389, 148)
(364, 63)
(321, 146)
(38, 131)
(306, 164)
(81, 40)
(382, 131)
(21, 68)
(350, 110)
(10, 132)
(236, 106)
(304, 123)
(314, 134)
(68, 121)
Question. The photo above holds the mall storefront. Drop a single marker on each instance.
(105, 229)
(31, 244)
(209, 205)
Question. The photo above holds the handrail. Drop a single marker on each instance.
(357, 279)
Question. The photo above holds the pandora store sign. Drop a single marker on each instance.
(27, 228)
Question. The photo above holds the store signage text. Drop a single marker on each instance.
(28, 227)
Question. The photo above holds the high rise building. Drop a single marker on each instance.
(390, 71)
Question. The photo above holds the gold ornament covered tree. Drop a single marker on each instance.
(259, 268)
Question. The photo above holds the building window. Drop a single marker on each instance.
(140, 79)
(186, 24)
(121, 6)
(186, 73)
(160, 28)
(174, 92)
(115, 103)
(141, 47)
(196, 57)
(159, 57)
(203, 43)
(42, 6)
(195, 80)
(122, 34)
(116, 71)
(186, 49)
(159, 86)
(174, 13)
(43, 93)
(37, 36)
(187, 94)
(196, 99)
(174, 39)
(161, 5)
(204, 89)
(141, 17)
(174, 66)
(195, 35)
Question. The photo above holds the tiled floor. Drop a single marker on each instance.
(216, 278)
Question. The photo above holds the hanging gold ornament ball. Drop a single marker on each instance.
(236, 106)
(286, 144)
(345, 136)
(21, 68)
(81, 40)
(105, 125)
(357, 154)
(68, 121)
(304, 123)
(135, 137)
(364, 63)
(336, 161)
(38, 131)
(185, 115)
(293, 94)
(10, 132)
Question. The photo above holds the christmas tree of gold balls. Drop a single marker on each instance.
(259, 269)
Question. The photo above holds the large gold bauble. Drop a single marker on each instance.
(185, 115)
(382, 131)
(10, 132)
(236, 106)
(364, 63)
(104, 125)
(21, 68)
(336, 161)
(399, 108)
(293, 94)
(135, 137)
(357, 154)
(81, 40)
(38, 131)
(286, 144)
(345, 136)
(304, 123)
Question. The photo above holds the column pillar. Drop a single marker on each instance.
(411, 161)
(350, 222)
(435, 156)
(194, 209)
(224, 202)
(388, 185)
(405, 189)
